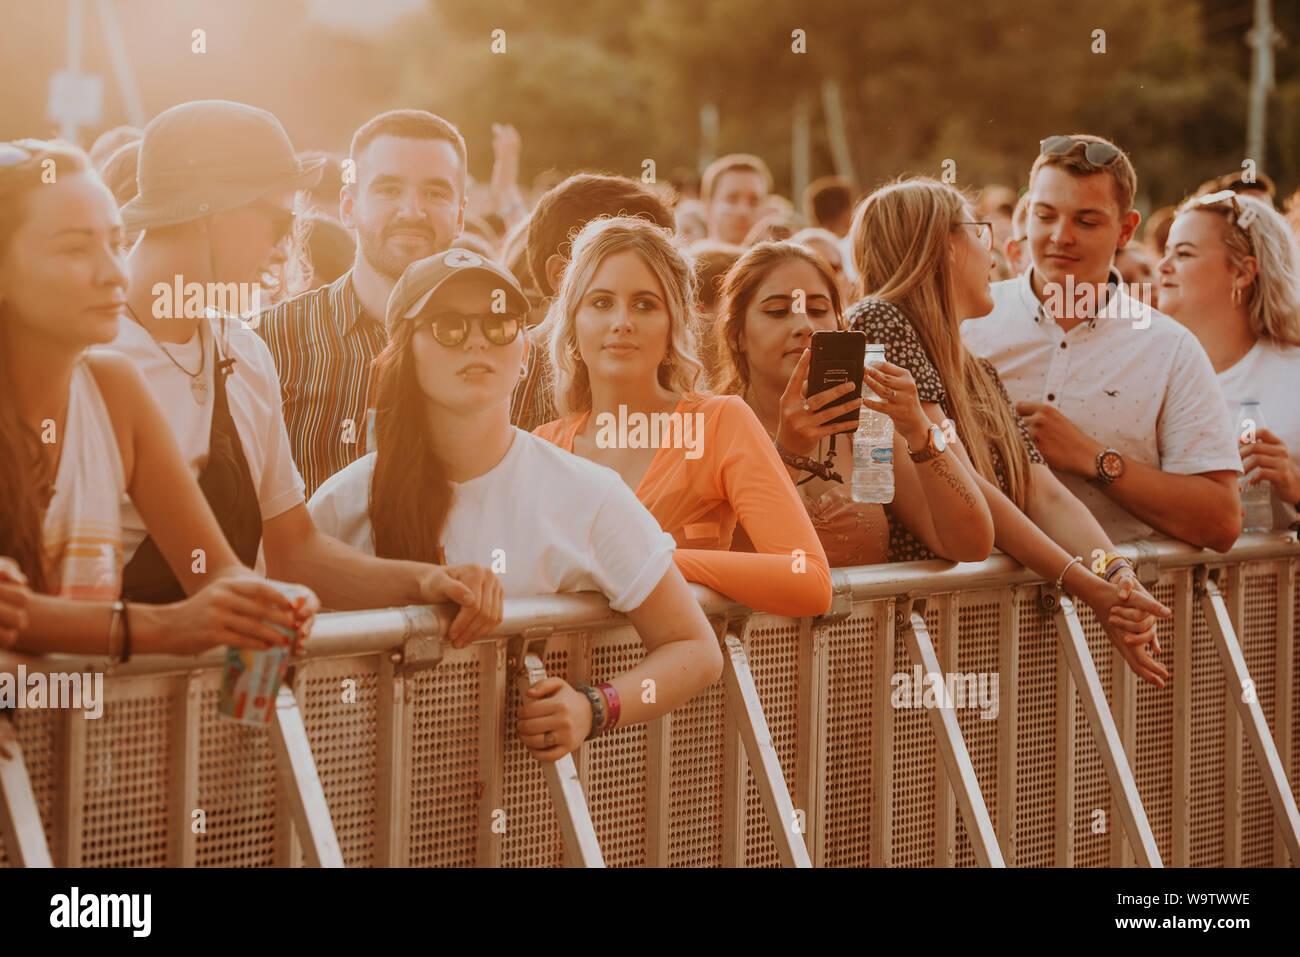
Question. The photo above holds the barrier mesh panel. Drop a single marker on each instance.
(1154, 737)
(1091, 787)
(914, 758)
(237, 788)
(773, 653)
(532, 836)
(1036, 783)
(128, 773)
(979, 630)
(1206, 815)
(1259, 648)
(339, 701)
(695, 780)
(1294, 766)
(849, 772)
(444, 762)
(616, 762)
(40, 735)
(129, 765)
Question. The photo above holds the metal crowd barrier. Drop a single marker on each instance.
(389, 749)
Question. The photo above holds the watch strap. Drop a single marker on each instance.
(931, 448)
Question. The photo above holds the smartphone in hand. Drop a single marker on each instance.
(837, 357)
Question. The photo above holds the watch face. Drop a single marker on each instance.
(937, 440)
(1112, 463)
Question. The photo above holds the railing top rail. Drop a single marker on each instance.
(389, 629)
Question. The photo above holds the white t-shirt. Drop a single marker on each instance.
(1271, 374)
(253, 393)
(543, 519)
(1133, 379)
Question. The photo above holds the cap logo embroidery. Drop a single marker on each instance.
(460, 258)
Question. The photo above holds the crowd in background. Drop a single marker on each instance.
(420, 411)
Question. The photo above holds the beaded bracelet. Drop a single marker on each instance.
(597, 710)
(1113, 569)
(615, 706)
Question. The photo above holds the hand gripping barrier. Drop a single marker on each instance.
(390, 749)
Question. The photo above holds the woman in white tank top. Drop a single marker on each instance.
(77, 430)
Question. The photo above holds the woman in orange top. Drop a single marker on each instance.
(626, 368)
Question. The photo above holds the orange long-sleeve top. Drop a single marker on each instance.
(709, 473)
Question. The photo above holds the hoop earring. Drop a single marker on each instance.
(1237, 296)
(523, 369)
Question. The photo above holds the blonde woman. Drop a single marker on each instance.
(764, 330)
(626, 373)
(925, 265)
(1230, 274)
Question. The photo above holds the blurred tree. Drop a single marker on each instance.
(601, 84)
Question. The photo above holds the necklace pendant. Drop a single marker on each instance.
(199, 386)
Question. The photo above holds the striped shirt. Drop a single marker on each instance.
(323, 342)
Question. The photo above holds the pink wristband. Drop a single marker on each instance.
(614, 709)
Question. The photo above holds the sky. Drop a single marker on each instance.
(362, 14)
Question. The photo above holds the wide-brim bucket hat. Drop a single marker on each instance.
(210, 156)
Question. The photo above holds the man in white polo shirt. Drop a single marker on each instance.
(1121, 400)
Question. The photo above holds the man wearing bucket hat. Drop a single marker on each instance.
(404, 198)
(217, 182)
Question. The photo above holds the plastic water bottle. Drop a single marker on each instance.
(873, 447)
(1256, 500)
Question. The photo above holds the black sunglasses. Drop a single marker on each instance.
(451, 328)
(1098, 154)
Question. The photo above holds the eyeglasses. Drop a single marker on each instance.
(282, 219)
(1098, 154)
(1243, 216)
(983, 231)
(451, 328)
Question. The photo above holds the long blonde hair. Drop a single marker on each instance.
(901, 236)
(600, 238)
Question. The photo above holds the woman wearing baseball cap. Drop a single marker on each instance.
(79, 431)
(451, 479)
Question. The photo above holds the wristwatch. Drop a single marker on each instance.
(934, 447)
(1110, 466)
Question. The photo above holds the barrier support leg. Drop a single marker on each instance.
(738, 681)
(20, 819)
(1102, 724)
(581, 846)
(1252, 716)
(301, 784)
(956, 759)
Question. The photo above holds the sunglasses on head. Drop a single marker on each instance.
(1242, 216)
(1098, 154)
(451, 328)
(11, 155)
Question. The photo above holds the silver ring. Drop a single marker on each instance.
(550, 739)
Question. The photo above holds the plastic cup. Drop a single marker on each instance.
(250, 679)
